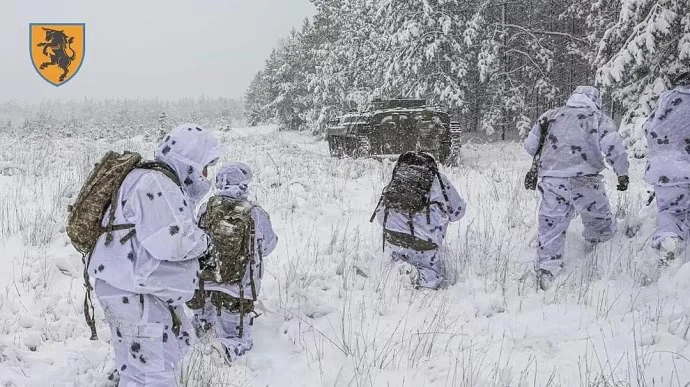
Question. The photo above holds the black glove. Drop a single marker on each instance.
(623, 182)
(207, 259)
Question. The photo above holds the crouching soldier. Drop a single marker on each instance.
(146, 267)
(414, 210)
(242, 236)
(574, 143)
(668, 170)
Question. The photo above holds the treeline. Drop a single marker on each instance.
(495, 64)
(116, 118)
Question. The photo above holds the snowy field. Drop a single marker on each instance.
(334, 312)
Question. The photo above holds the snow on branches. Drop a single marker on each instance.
(496, 65)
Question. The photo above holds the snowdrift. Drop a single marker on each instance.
(334, 312)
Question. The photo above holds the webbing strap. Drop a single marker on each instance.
(124, 226)
(176, 323)
(89, 311)
(241, 328)
(373, 216)
(410, 223)
(252, 253)
(385, 220)
(128, 236)
(443, 186)
(161, 167)
(111, 218)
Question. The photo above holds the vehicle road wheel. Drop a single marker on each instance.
(335, 147)
(362, 147)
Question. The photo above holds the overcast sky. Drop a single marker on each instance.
(148, 48)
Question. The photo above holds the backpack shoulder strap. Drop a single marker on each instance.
(444, 191)
(250, 251)
(376, 210)
(161, 167)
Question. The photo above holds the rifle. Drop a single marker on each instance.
(533, 174)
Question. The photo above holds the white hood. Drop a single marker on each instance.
(187, 150)
(233, 180)
(585, 96)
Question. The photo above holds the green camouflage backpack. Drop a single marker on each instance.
(231, 227)
(84, 221)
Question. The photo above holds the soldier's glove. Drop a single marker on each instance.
(623, 182)
(207, 260)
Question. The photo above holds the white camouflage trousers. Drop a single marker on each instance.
(673, 205)
(227, 326)
(147, 351)
(562, 199)
(428, 263)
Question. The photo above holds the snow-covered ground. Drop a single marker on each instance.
(333, 311)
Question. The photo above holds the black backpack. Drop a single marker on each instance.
(408, 192)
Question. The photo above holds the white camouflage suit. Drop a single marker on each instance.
(580, 136)
(668, 169)
(429, 263)
(142, 284)
(232, 181)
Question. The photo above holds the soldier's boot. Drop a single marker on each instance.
(409, 273)
(222, 351)
(234, 324)
(113, 378)
(545, 279)
(669, 249)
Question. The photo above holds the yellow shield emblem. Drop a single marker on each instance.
(57, 50)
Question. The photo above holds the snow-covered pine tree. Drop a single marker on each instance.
(256, 100)
(346, 72)
(426, 55)
(496, 64)
(638, 46)
(518, 45)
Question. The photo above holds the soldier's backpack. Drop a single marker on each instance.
(85, 218)
(230, 226)
(408, 193)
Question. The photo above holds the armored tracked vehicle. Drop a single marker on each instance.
(392, 127)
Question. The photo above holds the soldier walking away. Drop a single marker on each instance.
(144, 258)
(668, 136)
(242, 236)
(414, 210)
(574, 140)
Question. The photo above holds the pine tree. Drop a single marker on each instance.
(639, 45)
(495, 64)
(256, 100)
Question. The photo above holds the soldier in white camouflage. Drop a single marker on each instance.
(242, 236)
(144, 277)
(579, 140)
(668, 168)
(415, 210)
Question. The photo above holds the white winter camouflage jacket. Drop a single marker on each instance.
(580, 137)
(668, 138)
(161, 258)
